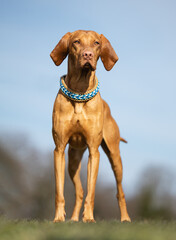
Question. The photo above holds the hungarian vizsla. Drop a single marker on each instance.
(82, 119)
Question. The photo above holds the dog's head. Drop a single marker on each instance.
(84, 49)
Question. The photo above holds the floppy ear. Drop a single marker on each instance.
(108, 55)
(60, 52)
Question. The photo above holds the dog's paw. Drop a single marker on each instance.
(74, 219)
(125, 219)
(88, 220)
(60, 217)
(88, 216)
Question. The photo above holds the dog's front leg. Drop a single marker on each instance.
(59, 167)
(92, 172)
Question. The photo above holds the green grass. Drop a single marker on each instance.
(45, 230)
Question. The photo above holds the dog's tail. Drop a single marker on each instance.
(123, 140)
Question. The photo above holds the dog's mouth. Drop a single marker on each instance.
(88, 66)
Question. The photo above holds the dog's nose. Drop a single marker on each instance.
(87, 55)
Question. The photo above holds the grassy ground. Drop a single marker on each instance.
(45, 230)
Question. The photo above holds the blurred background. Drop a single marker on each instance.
(140, 90)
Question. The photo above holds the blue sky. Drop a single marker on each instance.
(140, 89)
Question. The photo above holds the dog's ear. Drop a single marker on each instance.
(108, 55)
(60, 52)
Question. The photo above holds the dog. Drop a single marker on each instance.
(82, 119)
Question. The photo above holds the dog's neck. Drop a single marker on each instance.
(80, 80)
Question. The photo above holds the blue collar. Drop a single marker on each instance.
(75, 96)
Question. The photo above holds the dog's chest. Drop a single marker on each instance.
(78, 108)
(78, 116)
(82, 114)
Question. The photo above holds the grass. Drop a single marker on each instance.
(45, 230)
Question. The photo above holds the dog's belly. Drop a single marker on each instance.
(77, 140)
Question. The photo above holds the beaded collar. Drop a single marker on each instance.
(76, 96)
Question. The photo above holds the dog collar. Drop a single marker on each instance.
(76, 96)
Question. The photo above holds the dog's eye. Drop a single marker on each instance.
(96, 43)
(77, 42)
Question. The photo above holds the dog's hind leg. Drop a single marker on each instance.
(110, 145)
(116, 164)
(74, 167)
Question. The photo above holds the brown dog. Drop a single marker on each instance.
(84, 123)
